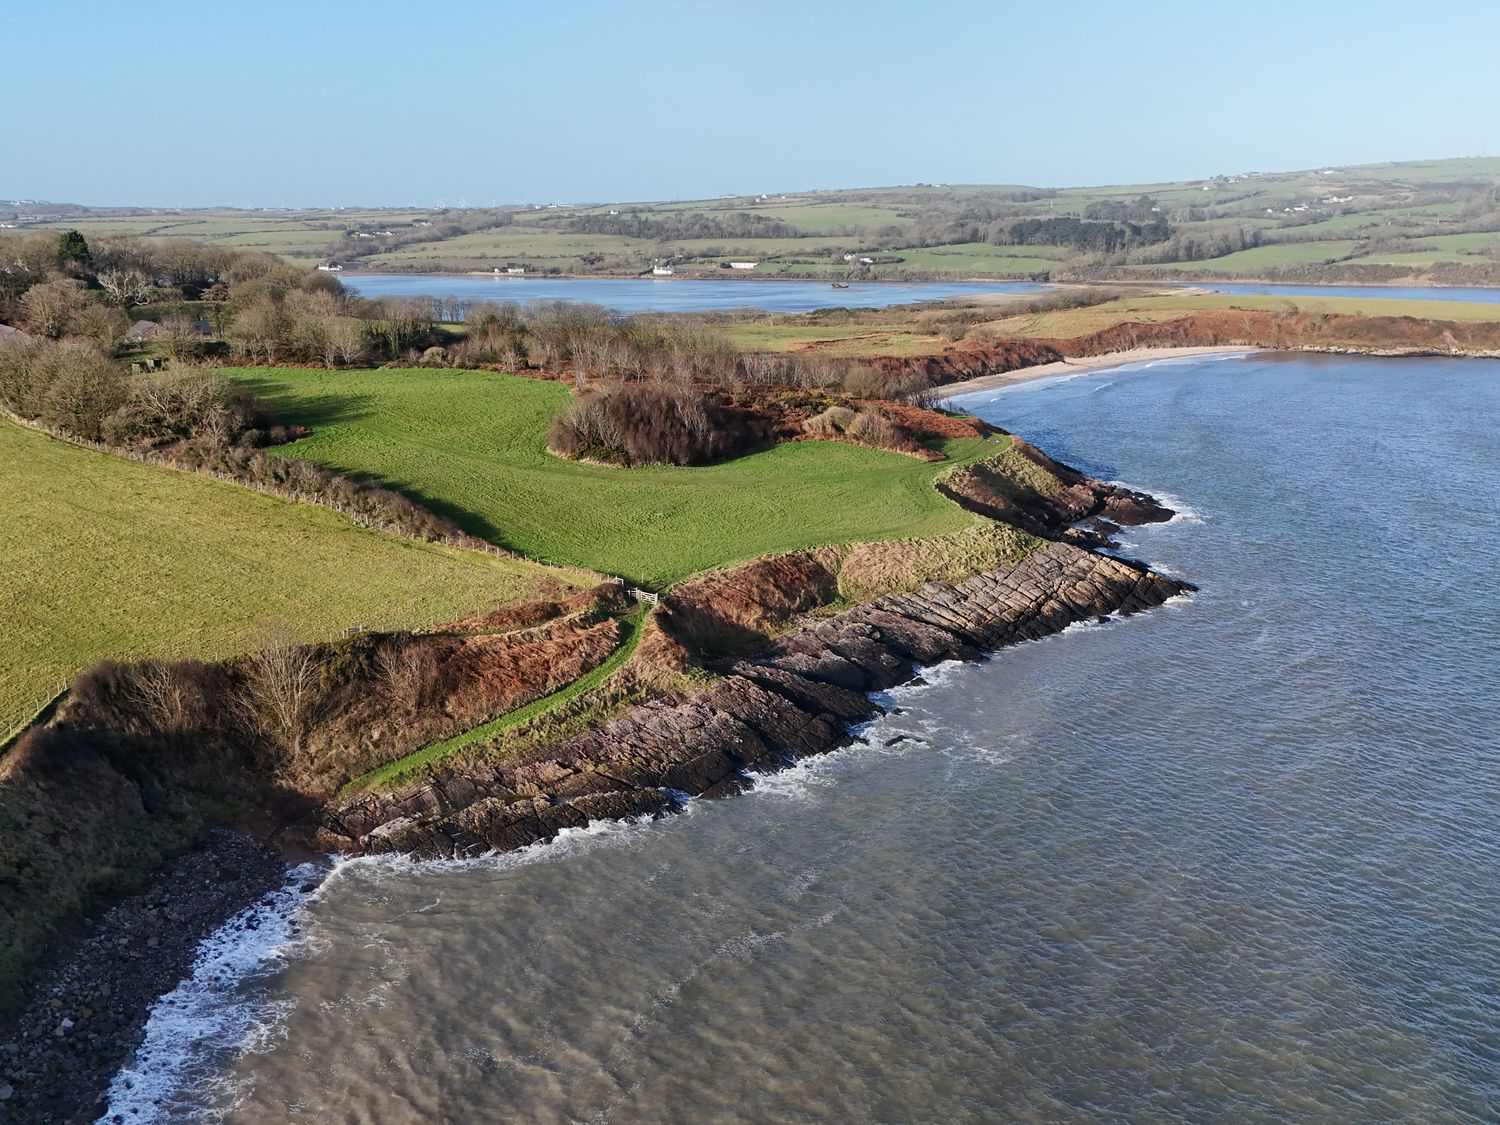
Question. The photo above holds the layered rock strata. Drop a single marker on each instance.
(795, 697)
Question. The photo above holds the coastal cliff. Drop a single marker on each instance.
(735, 672)
(796, 697)
(1286, 330)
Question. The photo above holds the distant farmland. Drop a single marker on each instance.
(1422, 220)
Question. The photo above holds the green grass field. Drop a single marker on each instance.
(1264, 258)
(1094, 318)
(970, 258)
(112, 558)
(472, 445)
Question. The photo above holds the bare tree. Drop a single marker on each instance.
(180, 334)
(46, 308)
(409, 669)
(259, 329)
(281, 685)
(165, 696)
(343, 341)
(125, 287)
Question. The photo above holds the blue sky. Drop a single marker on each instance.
(317, 103)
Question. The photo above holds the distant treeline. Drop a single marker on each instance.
(694, 224)
(364, 243)
(1143, 209)
(1082, 234)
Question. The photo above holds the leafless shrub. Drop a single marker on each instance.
(408, 670)
(280, 685)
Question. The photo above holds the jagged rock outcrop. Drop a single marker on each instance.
(793, 698)
(1045, 497)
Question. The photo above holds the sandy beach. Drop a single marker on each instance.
(1083, 363)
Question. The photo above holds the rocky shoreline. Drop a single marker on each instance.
(87, 1012)
(795, 698)
(774, 661)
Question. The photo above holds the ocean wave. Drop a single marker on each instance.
(210, 1013)
(1182, 511)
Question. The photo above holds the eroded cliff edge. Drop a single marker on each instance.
(795, 694)
(735, 672)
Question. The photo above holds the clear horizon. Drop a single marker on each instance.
(491, 105)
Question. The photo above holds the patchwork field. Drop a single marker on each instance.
(1264, 260)
(472, 445)
(1433, 218)
(113, 558)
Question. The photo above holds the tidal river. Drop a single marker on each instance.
(1237, 859)
(634, 295)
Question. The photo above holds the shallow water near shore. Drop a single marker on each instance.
(1233, 859)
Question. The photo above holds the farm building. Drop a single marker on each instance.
(143, 331)
(743, 265)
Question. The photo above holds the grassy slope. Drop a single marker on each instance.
(113, 558)
(415, 762)
(1263, 259)
(473, 445)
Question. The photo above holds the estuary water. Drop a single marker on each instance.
(1237, 859)
(633, 295)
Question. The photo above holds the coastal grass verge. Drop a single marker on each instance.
(108, 558)
(472, 446)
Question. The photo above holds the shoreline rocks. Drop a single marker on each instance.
(790, 679)
(87, 1010)
(796, 697)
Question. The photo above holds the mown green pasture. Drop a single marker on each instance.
(106, 557)
(1265, 258)
(970, 258)
(472, 445)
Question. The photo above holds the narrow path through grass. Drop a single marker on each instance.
(402, 768)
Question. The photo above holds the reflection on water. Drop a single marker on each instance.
(1235, 859)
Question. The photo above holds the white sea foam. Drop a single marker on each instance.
(1183, 511)
(210, 1013)
(215, 1015)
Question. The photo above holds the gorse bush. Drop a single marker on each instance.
(71, 386)
(364, 502)
(866, 427)
(74, 388)
(653, 424)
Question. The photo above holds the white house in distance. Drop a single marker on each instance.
(662, 271)
(332, 267)
(743, 265)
